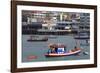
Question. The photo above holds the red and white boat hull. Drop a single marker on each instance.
(62, 54)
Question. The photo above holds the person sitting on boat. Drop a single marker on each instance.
(49, 51)
(64, 49)
(76, 48)
(55, 48)
(73, 50)
(52, 48)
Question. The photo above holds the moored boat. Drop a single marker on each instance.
(31, 39)
(82, 36)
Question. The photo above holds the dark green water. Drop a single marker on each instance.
(39, 49)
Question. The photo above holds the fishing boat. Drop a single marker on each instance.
(60, 50)
(31, 39)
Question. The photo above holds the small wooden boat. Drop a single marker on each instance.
(62, 54)
(60, 51)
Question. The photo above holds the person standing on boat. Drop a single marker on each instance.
(65, 49)
(75, 47)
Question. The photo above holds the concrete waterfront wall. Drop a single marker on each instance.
(48, 32)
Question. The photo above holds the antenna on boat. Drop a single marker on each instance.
(78, 43)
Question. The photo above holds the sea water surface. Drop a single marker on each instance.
(39, 49)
